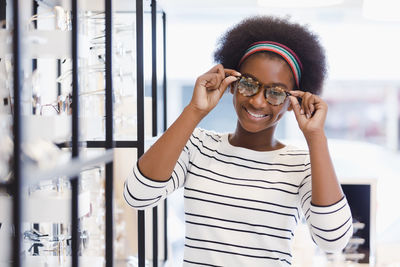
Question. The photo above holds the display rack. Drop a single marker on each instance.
(24, 175)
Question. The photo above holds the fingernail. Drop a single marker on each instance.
(301, 111)
(308, 116)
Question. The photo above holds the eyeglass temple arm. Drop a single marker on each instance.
(299, 99)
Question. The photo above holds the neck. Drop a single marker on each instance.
(260, 141)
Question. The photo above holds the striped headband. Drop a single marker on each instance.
(288, 55)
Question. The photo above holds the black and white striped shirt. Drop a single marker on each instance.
(241, 205)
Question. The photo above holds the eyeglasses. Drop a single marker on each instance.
(63, 105)
(62, 18)
(248, 86)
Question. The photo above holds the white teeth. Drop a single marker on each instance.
(256, 115)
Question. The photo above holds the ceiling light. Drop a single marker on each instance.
(297, 3)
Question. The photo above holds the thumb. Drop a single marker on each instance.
(226, 82)
(297, 109)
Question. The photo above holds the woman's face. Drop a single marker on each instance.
(255, 114)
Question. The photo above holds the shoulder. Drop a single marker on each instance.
(292, 150)
(296, 154)
(203, 141)
(206, 136)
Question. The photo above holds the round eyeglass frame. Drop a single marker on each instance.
(257, 87)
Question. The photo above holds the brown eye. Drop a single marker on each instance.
(247, 86)
(275, 95)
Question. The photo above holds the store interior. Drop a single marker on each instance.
(83, 122)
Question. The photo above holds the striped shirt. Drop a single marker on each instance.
(241, 205)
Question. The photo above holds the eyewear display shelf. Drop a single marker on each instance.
(23, 176)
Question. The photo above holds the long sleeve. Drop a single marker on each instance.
(142, 192)
(330, 226)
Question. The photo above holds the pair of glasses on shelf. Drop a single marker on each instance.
(62, 105)
(249, 86)
(61, 17)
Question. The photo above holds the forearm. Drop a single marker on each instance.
(159, 160)
(326, 189)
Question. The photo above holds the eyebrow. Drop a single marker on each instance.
(268, 85)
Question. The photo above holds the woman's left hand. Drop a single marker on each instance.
(310, 114)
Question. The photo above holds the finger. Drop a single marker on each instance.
(220, 73)
(321, 108)
(312, 109)
(312, 104)
(315, 103)
(299, 95)
(210, 81)
(319, 114)
(214, 82)
(231, 72)
(297, 110)
(225, 83)
(217, 68)
(307, 102)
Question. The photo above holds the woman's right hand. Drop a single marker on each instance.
(210, 87)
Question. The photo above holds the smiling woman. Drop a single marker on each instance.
(255, 112)
(246, 191)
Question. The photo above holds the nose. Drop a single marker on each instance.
(258, 100)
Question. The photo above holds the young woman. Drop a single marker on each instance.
(246, 191)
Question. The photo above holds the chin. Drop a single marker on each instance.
(255, 128)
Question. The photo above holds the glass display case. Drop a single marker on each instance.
(72, 89)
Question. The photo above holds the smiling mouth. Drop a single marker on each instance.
(255, 115)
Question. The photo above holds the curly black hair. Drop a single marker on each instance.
(233, 44)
